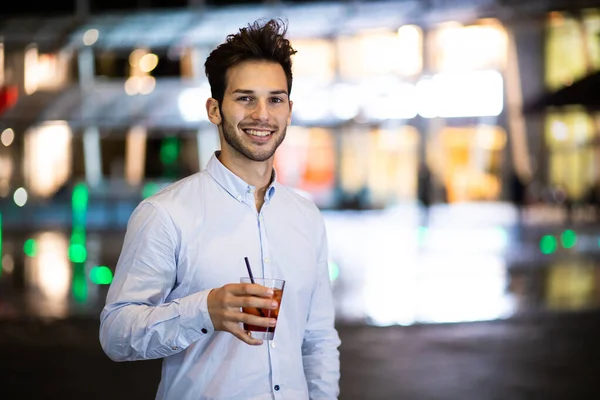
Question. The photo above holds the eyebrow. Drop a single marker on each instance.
(248, 91)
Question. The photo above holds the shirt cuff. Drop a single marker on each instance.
(193, 311)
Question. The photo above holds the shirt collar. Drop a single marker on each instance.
(233, 184)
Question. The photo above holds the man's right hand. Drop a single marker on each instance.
(225, 308)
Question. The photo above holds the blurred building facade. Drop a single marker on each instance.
(394, 101)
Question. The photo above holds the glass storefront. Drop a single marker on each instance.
(572, 52)
(571, 161)
(467, 63)
(366, 105)
(468, 161)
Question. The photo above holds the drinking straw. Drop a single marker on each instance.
(249, 269)
(252, 280)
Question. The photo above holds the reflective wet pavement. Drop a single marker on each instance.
(386, 268)
(553, 357)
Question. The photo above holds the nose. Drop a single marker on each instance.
(260, 111)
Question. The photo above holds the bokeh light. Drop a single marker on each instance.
(20, 197)
(548, 244)
(101, 275)
(7, 137)
(568, 239)
(30, 247)
(90, 37)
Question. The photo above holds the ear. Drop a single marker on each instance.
(289, 120)
(213, 111)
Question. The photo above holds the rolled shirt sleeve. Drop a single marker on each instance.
(321, 341)
(139, 321)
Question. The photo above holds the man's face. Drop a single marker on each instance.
(255, 111)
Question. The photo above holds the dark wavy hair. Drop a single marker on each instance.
(257, 41)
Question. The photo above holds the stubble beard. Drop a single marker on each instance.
(236, 142)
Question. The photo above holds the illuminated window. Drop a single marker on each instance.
(467, 161)
(386, 97)
(461, 94)
(591, 25)
(315, 59)
(376, 98)
(571, 162)
(47, 163)
(454, 47)
(572, 51)
(354, 161)
(565, 51)
(31, 74)
(382, 161)
(393, 163)
(306, 161)
(135, 155)
(379, 53)
(312, 100)
(44, 71)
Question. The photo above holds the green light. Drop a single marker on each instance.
(150, 189)
(30, 248)
(548, 244)
(78, 235)
(79, 285)
(79, 203)
(334, 271)
(80, 196)
(568, 239)
(101, 275)
(78, 238)
(77, 253)
(169, 150)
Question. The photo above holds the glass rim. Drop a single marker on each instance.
(247, 278)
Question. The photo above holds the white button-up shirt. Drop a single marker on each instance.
(192, 237)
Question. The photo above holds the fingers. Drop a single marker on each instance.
(225, 308)
(245, 337)
(250, 289)
(249, 295)
(256, 302)
(251, 319)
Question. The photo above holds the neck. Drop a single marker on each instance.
(255, 173)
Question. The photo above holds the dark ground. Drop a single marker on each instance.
(542, 357)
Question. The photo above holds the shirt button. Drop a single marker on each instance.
(267, 260)
(174, 348)
(272, 344)
(239, 197)
(204, 330)
(276, 387)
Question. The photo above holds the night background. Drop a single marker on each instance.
(453, 147)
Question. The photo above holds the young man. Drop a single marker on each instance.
(175, 294)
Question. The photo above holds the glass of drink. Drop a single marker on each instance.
(262, 332)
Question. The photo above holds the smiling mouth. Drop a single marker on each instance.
(258, 132)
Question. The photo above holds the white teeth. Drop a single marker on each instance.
(257, 133)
